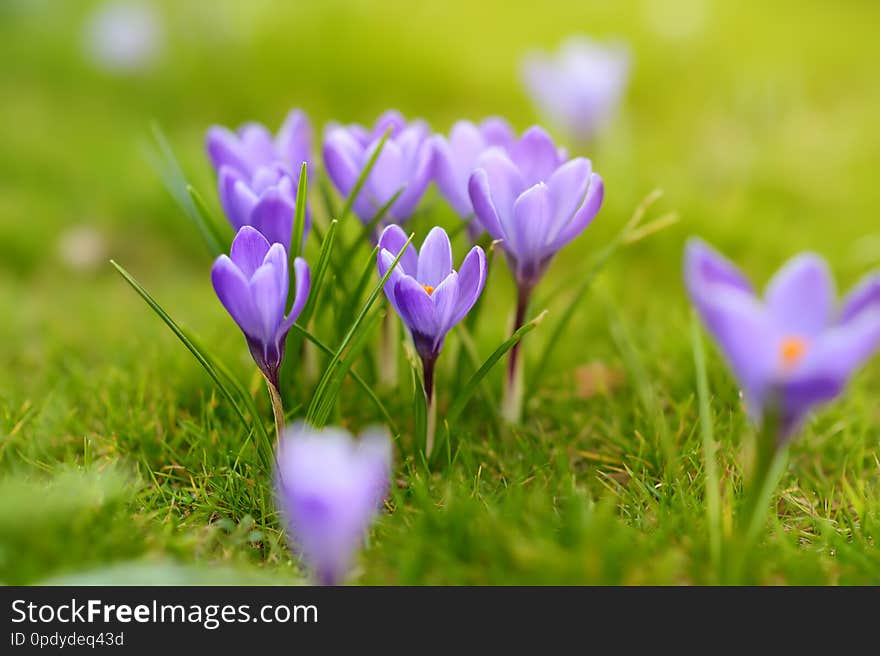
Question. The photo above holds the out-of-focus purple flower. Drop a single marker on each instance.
(404, 163)
(330, 488)
(258, 174)
(534, 200)
(455, 158)
(424, 289)
(793, 349)
(579, 87)
(253, 147)
(124, 36)
(252, 284)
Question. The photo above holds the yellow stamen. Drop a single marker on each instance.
(792, 351)
(428, 289)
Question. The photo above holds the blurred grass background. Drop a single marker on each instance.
(757, 119)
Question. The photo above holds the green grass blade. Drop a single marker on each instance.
(223, 238)
(321, 389)
(369, 228)
(389, 420)
(351, 302)
(320, 273)
(713, 492)
(181, 335)
(460, 402)
(299, 220)
(174, 179)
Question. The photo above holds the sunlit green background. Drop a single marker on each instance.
(758, 120)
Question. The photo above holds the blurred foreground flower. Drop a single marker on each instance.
(795, 348)
(252, 284)
(330, 488)
(124, 36)
(579, 87)
(456, 157)
(429, 295)
(534, 202)
(257, 174)
(403, 166)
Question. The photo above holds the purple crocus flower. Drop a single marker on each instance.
(253, 147)
(456, 157)
(330, 488)
(252, 283)
(534, 200)
(424, 289)
(578, 88)
(793, 349)
(257, 174)
(404, 163)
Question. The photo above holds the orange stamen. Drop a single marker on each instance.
(428, 289)
(792, 351)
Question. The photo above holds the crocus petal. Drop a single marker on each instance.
(865, 296)
(528, 228)
(249, 249)
(392, 239)
(391, 119)
(273, 216)
(585, 215)
(232, 289)
(386, 259)
(415, 307)
(484, 209)
(471, 279)
(568, 187)
(257, 144)
(800, 297)
(707, 266)
(446, 170)
(294, 140)
(301, 291)
(340, 160)
(418, 182)
(435, 258)
(737, 321)
(445, 299)
(387, 176)
(536, 155)
(224, 149)
(497, 132)
(268, 302)
(237, 199)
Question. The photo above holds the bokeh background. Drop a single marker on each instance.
(758, 120)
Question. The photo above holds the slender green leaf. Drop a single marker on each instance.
(369, 228)
(181, 335)
(221, 237)
(299, 220)
(320, 272)
(460, 402)
(174, 179)
(350, 304)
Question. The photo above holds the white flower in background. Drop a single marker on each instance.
(124, 36)
(579, 87)
(82, 248)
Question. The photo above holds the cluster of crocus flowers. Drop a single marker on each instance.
(429, 295)
(533, 200)
(579, 87)
(796, 347)
(402, 168)
(330, 488)
(257, 174)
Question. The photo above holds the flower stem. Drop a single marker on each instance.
(769, 463)
(277, 408)
(511, 406)
(388, 349)
(430, 406)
